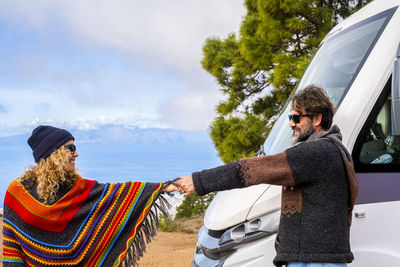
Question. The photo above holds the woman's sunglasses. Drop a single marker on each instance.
(71, 148)
(296, 117)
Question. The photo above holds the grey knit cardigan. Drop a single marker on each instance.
(318, 195)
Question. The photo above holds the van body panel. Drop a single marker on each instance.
(232, 207)
(375, 258)
(249, 257)
(376, 234)
(270, 200)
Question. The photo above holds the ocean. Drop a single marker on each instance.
(112, 163)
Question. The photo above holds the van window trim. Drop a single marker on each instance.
(372, 168)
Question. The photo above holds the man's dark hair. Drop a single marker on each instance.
(314, 100)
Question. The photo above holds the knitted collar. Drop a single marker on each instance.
(334, 135)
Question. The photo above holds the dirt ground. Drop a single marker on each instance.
(175, 248)
(167, 249)
(170, 249)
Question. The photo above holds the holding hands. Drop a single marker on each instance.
(183, 184)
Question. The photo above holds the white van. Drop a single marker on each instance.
(358, 64)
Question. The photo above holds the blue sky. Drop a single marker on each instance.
(85, 63)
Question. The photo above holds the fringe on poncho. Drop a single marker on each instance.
(93, 224)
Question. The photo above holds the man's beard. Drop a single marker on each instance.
(303, 134)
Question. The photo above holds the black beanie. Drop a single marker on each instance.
(46, 139)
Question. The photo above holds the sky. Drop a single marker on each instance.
(85, 63)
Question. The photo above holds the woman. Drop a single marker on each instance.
(52, 216)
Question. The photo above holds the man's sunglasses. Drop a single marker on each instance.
(71, 148)
(296, 117)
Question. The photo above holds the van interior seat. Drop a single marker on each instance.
(383, 118)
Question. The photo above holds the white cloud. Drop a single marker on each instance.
(91, 124)
(194, 108)
(172, 31)
(160, 40)
(28, 105)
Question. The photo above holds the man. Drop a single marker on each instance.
(318, 179)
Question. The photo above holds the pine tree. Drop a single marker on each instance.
(258, 70)
(192, 205)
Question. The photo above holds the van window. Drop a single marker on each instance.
(376, 149)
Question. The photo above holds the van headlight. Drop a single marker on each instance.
(252, 230)
(218, 245)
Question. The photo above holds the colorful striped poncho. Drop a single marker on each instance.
(91, 224)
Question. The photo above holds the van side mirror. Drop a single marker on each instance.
(395, 110)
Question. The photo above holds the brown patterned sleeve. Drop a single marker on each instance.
(221, 178)
(272, 169)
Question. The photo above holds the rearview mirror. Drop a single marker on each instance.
(395, 110)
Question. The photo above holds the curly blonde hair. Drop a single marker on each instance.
(49, 173)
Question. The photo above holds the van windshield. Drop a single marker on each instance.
(334, 68)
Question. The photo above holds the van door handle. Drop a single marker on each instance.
(360, 214)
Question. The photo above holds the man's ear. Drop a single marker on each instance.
(317, 121)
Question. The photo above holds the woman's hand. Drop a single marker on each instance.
(172, 188)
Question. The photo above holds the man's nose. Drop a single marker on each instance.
(291, 124)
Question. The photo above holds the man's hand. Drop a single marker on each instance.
(186, 184)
